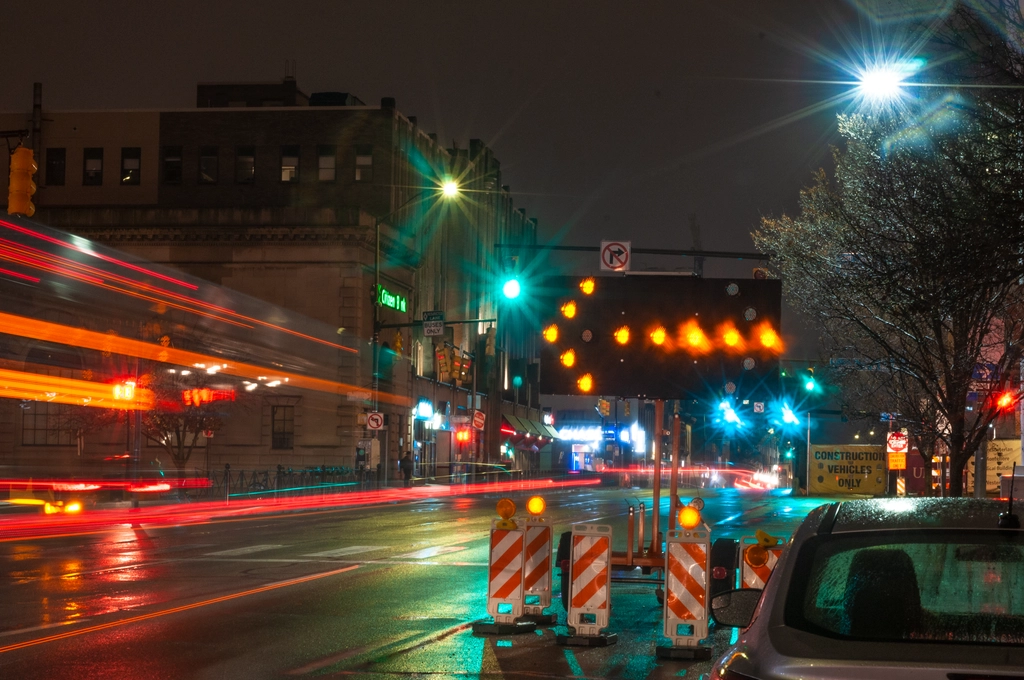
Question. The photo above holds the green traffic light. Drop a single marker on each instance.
(511, 289)
(810, 385)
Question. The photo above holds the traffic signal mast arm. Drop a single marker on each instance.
(722, 254)
(414, 324)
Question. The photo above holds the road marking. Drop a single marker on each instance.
(243, 551)
(43, 627)
(175, 610)
(351, 550)
(431, 552)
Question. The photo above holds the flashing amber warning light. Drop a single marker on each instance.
(659, 335)
(585, 383)
(569, 309)
(551, 333)
(506, 508)
(689, 517)
(769, 338)
(535, 506)
(731, 337)
(568, 358)
(587, 285)
(756, 555)
(622, 335)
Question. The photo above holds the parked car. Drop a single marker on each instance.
(888, 588)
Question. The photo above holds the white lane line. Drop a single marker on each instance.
(350, 550)
(243, 551)
(43, 627)
(431, 552)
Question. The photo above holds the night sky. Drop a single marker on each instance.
(610, 119)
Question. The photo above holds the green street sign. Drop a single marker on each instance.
(386, 298)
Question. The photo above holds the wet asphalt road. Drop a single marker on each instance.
(384, 591)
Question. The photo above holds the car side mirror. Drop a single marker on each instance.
(735, 608)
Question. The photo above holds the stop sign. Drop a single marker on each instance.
(896, 442)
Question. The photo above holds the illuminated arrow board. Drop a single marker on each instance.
(660, 337)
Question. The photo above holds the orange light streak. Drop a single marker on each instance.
(79, 337)
(38, 387)
(175, 610)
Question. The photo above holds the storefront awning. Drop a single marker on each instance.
(525, 426)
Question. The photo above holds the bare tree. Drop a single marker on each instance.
(910, 259)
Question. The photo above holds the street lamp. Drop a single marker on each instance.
(448, 189)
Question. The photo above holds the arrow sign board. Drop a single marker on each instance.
(375, 421)
(433, 324)
(615, 256)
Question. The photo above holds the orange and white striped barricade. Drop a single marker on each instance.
(589, 587)
(687, 567)
(537, 571)
(755, 568)
(505, 583)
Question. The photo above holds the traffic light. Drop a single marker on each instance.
(464, 369)
(492, 333)
(604, 407)
(1006, 400)
(396, 346)
(21, 187)
(462, 435)
(810, 384)
(511, 288)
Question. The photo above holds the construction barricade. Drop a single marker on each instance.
(505, 576)
(687, 565)
(537, 571)
(589, 587)
(759, 555)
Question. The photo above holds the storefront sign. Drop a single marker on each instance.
(843, 469)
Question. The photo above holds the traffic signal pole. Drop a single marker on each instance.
(659, 429)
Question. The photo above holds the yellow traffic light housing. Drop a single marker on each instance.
(21, 187)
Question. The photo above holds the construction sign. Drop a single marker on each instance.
(846, 469)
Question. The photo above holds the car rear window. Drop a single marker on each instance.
(938, 586)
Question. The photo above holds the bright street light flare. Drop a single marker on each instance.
(511, 289)
(450, 189)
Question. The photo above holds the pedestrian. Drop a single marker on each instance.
(405, 465)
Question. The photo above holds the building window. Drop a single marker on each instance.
(326, 162)
(208, 164)
(45, 423)
(289, 164)
(282, 427)
(172, 165)
(92, 172)
(245, 164)
(56, 163)
(131, 165)
(364, 163)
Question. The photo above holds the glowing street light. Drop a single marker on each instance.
(885, 82)
(511, 289)
(788, 416)
(450, 189)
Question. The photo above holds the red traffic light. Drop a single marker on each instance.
(1006, 400)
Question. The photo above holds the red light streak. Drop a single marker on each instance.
(175, 610)
(504, 431)
(105, 258)
(204, 512)
(17, 275)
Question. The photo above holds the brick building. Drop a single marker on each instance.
(276, 194)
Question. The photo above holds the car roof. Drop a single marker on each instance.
(915, 513)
